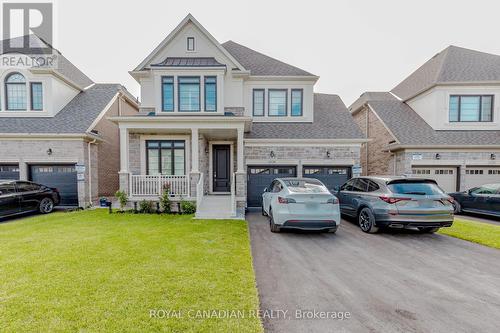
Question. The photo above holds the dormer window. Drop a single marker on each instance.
(471, 108)
(15, 92)
(190, 43)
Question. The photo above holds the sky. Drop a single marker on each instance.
(354, 46)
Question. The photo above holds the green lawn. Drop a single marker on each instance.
(94, 272)
(477, 232)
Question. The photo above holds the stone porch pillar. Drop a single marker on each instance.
(124, 149)
(194, 175)
(241, 181)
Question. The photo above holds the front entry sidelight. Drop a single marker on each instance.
(221, 168)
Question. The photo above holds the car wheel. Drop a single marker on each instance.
(263, 211)
(46, 206)
(366, 221)
(457, 209)
(272, 226)
(428, 230)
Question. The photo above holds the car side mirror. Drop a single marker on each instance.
(336, 188)
(265, 190)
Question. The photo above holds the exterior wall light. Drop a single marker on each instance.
(49, 151)
(493, 156)
(438, 157)
(271, 154)
(328, 154)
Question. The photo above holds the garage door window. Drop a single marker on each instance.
(9, 168)
(444, 172)
(493, 172)
(474, 172)
(421, 171)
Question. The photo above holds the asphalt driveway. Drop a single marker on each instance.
(391, 282)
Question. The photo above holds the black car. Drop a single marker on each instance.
(18, 197)
(481, 200)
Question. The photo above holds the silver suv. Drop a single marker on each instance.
(398, 202)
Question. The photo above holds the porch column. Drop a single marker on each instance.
(195, 156)
(124, 173)
(240, 151)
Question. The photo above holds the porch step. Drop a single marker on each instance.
(215, 207)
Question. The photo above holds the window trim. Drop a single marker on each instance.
(7, 94)
(205, 92)
(263, 102)
(163, 93)
(301, 90)
(480, 108)
(269, 101)
(179, 78)
(187, 44)
(172, 148)
(31, 95)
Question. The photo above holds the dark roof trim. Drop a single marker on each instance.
(189, 62)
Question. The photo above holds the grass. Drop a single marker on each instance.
(477, 232)
(94, 272)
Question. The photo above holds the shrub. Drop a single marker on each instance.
(165, 202)
(122, 199)
(188, 207)
(146, 207)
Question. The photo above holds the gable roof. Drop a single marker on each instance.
(261, 64)
(64, 66)
(410, 129)
(452, 65)
(75, 118)
(189, 18)
(331, 121)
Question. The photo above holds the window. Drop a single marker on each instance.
(189, 93)
(493, 172)
(277, 187)
(27, 187)
(165, 157)
(190, 43)
(468, 108)
(15, 92)
(360, 185)
(485, 189)
(372, 186)
(415, 188)
(36, 96)
(167, 93)
(7, 188)
(277, 102)
(210, 93)
(258, 102)
(474, 172)
(297, 102)
(347, 186)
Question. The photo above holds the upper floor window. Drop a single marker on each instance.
(189, 93)
(258, 102)
(277, 102)
(15, 92)
(297, 102)
(190, 43)
(167, 93)
(210, 93)
(471, 108)
(36, 96)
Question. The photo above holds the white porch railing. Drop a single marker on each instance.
(153, 186)
(233, 194)
(199, 192)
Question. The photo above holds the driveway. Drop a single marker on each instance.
(391, 282)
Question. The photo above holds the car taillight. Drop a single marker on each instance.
(391, 201)
(282, 200)
(333, 201)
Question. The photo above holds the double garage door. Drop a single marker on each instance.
(63, 177)
(260, 177)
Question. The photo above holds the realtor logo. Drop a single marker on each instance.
(20, 21)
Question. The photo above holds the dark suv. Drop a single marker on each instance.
(397, 202)
(18, 197)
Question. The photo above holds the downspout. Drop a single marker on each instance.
(90, 169)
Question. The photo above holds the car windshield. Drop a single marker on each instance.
(486, 189)
(415, 188)
(306, 186)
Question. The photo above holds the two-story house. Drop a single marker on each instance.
(218, 122)
(54, 128)
(441, 122)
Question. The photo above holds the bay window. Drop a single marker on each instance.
(277, 102)
(189, 93)
(471, 108)
(165, 157)
(167, 93)
(210, 93)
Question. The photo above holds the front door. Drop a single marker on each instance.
(221, 168)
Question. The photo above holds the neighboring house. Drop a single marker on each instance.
(54, 130)
(218, 122)
(441, 122)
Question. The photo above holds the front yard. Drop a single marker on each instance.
(477, 232)
(94, 272)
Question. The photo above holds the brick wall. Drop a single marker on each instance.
(108, 155)
(374, 159)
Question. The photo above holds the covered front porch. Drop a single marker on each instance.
(193, 159)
